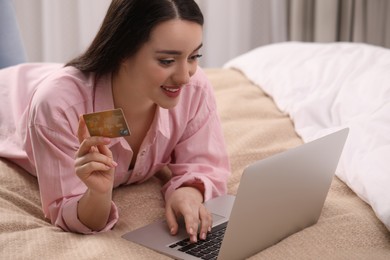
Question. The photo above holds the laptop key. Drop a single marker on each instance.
(204, 249)
(209, 257)
(187, 247)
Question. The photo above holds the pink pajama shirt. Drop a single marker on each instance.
(39, 114)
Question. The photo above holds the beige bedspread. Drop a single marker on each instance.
(254, 129)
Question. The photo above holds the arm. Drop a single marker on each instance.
(94, 209)
(197, 176)
(52, 143)
(66, 200)
(200, 167)
(95, 167)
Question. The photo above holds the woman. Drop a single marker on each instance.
(144, 60)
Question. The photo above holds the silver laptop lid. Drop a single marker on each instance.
(281, 195)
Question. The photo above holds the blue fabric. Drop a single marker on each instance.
(11, 47)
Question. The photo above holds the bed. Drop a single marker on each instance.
(270, 99)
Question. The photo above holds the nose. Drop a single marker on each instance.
(183, 73)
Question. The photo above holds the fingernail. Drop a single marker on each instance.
(191, 231)
(209, 229)
(106, 140)
(114, 163)
(172, 231)
(203, 236)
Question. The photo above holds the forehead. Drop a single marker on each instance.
(178, 35)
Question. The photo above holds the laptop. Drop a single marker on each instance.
(277, 197)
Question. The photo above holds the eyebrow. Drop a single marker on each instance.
(174, 52)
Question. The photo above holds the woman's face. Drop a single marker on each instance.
(157, 73)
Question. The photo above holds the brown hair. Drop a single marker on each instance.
(126, 27)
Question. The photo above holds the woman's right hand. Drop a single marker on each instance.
(95, 166)
(94, 163)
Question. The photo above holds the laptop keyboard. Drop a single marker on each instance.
(204, 249)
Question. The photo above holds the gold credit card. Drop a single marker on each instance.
(110, 123)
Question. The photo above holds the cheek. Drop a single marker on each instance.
(147, 70)
(157, 74)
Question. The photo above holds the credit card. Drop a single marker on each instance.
(110, 123)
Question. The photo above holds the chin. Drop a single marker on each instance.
(168, 105)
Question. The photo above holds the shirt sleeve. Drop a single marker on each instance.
(201, 157)
(52, 134)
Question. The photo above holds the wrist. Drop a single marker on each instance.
(99, 194)
(94, 208)
(197, 187)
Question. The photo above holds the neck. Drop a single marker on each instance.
(133, 104)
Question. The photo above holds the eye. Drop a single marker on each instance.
(195, 57)
(166, 62)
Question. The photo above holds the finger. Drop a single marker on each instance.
(86, 169)
(95, 157)
(91, 142)
(103, 149)
(171, 220)
(82, 131)
(206, 222)
(192, 223)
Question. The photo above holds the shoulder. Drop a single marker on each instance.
(197, 103)
(199, 91)
(64, 87)
(59, 94)
(200, 79)
(65, 81)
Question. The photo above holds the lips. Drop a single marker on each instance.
(171, 91)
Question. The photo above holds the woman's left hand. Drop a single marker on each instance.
(186, 202)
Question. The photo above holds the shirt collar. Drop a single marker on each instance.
(162, 124)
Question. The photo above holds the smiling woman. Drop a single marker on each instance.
(169, 58)
(144, 60)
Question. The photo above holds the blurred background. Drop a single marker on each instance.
(58, 30)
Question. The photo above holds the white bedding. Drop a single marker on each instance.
(324, 87)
